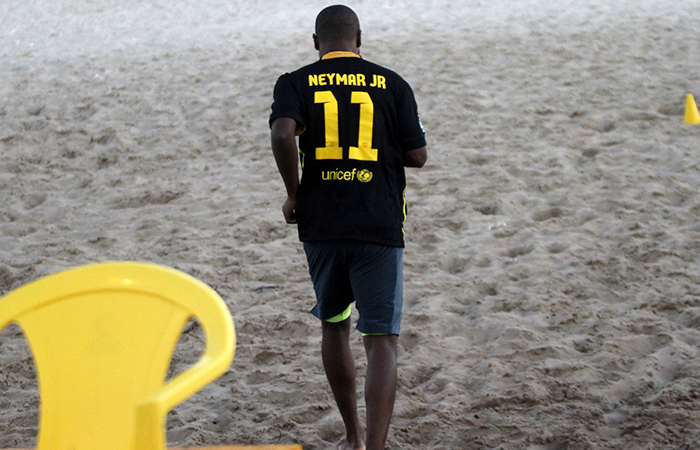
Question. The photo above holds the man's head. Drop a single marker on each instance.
(337, 28)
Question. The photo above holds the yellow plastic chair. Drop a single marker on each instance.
(102, 337)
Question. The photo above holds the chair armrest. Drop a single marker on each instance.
(151, 412)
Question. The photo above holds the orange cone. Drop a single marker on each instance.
(692, 117)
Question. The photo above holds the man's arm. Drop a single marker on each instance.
(284, 147)
(416, 157)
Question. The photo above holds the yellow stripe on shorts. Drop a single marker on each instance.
(342, 316)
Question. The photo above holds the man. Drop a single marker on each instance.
(358, 128)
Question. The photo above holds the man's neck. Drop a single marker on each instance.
(338, 47)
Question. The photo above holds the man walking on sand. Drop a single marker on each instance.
(358, 128)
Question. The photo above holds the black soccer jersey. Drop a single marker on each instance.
(356, 121)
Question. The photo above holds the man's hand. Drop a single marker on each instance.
(288, 210)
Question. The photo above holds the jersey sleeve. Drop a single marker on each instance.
(411, 135)
(286, 101)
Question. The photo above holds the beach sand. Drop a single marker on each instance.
(552, 295)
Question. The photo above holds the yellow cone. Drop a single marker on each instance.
(692, 117)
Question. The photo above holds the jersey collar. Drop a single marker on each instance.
(340, 54)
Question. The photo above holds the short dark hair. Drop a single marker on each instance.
(337, 22)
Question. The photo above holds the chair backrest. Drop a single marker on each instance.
(102, 337)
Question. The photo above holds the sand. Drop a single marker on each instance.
(552, 271)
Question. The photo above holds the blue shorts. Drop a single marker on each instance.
(371, 275)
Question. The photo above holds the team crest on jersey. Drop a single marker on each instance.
(364, 176)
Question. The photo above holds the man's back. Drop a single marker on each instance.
(358, 119)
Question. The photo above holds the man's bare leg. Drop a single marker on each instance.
(340, 371)
(380, 387)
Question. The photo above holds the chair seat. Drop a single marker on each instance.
(229, 447)
(242, 447)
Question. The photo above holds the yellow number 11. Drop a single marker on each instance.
(333, 150)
